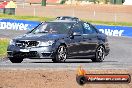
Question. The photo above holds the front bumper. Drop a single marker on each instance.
(31, 52)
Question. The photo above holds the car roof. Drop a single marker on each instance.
(67, 18)
(62, 21)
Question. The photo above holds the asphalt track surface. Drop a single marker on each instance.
(120, 57)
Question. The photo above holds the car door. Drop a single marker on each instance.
(74, 46)
(89, 38)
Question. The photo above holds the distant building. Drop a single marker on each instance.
(5, 0)
(39, 1)
(127, 2)
(124, 2)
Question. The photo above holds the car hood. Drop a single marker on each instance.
(40, 37)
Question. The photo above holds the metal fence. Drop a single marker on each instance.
(81, 12)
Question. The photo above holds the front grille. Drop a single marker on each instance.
(26, 43)
(46, 54)
(27, 54)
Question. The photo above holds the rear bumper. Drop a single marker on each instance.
(107, 51)
(107, 48)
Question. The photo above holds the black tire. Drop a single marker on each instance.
(99, 55)
(54, 60)
(81, 80)
(61, 54)
(16, 60)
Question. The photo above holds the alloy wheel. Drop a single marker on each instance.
(100, 54)
(61, 54)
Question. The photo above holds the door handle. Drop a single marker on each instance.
(90, 38)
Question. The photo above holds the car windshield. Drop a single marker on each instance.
(53, 27)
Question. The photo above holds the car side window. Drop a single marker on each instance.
(78, 28)
(89, 29)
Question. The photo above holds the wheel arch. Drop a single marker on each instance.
(63, 44)
(60, 44)
(101, 45)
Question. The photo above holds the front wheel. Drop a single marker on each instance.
(16, 60)
(99, 55)
(61, 54)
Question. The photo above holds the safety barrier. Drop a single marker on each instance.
(11, 24)
(115, 30)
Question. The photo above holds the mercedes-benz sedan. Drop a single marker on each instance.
(60, 40)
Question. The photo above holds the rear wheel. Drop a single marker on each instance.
(16, 60)
(99, 55)
(61, 54)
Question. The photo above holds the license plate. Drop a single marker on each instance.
(24, 50)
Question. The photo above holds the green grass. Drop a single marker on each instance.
(109, 23)
(36, 18)
(3, 47)
(32, 18)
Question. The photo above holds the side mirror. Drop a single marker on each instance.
(76, 34)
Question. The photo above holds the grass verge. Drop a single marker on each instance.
(32, 18)
(110, 23)
(3, 46)
(36, 18)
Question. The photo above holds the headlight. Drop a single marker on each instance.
(46, 43)
(12, 42)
